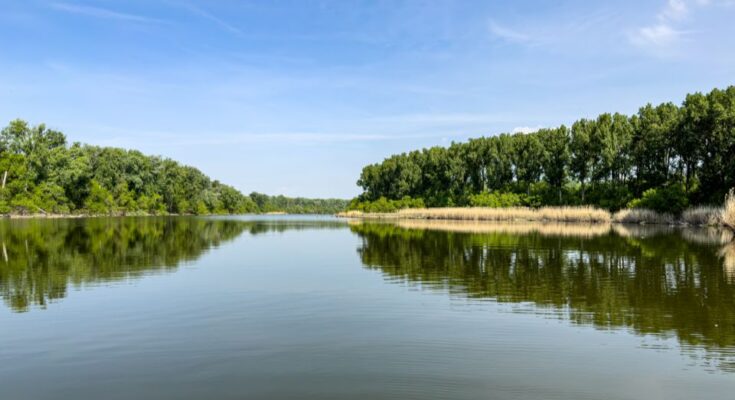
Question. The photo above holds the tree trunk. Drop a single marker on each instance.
(5, 178)
(582, 192)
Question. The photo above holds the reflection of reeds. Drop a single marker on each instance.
(707, 235)
(546, 229)
(643, 216)
(728, 261)
(631, 230)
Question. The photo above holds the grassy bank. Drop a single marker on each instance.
(697, 216)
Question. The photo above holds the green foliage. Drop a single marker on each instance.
(383, 205)
(672, 199)
(498, 200)
(295, 205)
(44, 175)
(604, 162)
(100, 200)
(609, 195)
(202, 208)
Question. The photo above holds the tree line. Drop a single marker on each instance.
(41, 173)
(665, 155)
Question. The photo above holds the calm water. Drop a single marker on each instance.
(315, 308)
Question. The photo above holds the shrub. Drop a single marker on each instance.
(202, 208)
(50, 198)
(384, 205)
(671, 199)
(608, 195)
(100, 200)
(496, 200)
(152, 204)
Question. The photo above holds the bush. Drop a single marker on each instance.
(100, 200)
(202, 208)
(497, 200)
(50, 198)
(152, 204)
(671, 199)
(609, 196)
(384, 205)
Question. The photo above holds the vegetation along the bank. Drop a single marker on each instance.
(41, 174)
(665, 158)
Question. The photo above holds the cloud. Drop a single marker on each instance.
(219, 22)
(527, 129)
(675, 10)
(98, 12)
(665, 32)
(659, 35)
(508, 34)
(130, 137)
(442, 118)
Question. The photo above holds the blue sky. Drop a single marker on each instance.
(294, 97)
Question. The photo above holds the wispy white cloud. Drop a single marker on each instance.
(508, 34)
(659, 35)
(98, 12)
(527, 129)
(674, 10)
(212, 18)
(665, 32)
(443, 118)
(130, 137)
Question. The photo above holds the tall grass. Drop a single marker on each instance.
(643, 216)
(699, 216)
(544, 229)
(728, 211)
(555, 214)
(703, 216)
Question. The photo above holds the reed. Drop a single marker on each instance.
(544, 229)
(699, 216)
(555, 214)
(728, 211)
(545, 214)
(643, 216)
(702, 216)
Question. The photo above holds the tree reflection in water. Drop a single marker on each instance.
(650, 280)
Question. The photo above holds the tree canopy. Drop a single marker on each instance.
(41, 173)
(687, 151)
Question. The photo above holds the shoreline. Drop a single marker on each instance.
(709, 217)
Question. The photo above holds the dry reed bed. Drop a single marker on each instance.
(545, 229)
(643, 216)
(696, 216)
(544, 214)
(703, 216)
(727, 217)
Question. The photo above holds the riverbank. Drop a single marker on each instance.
(83, 215)
(696, 216)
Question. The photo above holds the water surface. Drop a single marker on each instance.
(316, 308)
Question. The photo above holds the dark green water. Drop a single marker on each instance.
(314, 308)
